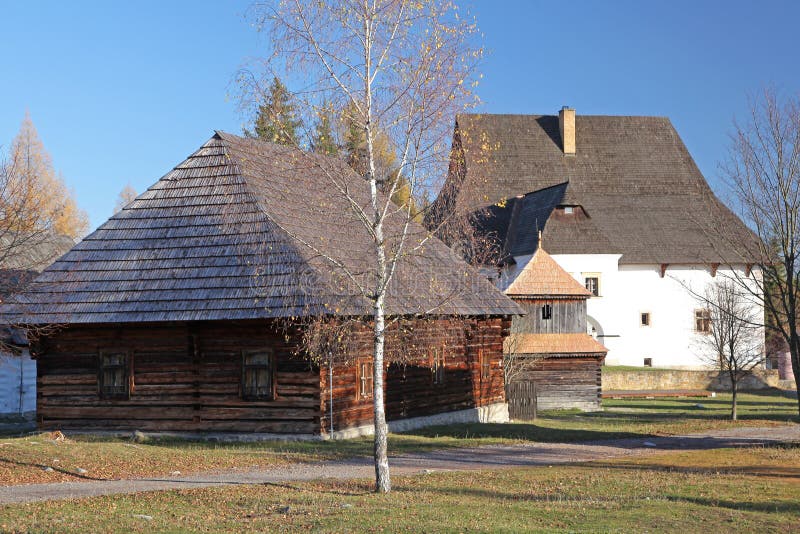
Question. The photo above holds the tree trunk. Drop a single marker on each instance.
(794, 350)
(383, 482)
(734, 391)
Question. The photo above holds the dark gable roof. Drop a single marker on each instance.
(642, 194)
(239, 231)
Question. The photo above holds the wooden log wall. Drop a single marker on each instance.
(568, 316)
(410, 388)
(185, 378)
(566, 382)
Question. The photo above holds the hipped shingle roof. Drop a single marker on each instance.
(542, 276)
(244, 229)
(562, 344)
(641, 193)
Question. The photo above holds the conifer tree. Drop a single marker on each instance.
(277, 119)
(324, 140)
(37, 197)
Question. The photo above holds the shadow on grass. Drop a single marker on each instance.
(56, 469)
(588, 498)
(737, 470)
(787, 506)
(519, 431)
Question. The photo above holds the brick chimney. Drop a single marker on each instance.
(566, 125)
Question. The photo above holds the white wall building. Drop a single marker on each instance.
(619, 203)
(23, 257)
(642, 318)
(17, 386)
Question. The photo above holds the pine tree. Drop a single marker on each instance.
(277, 120)
(386, 165)
(324, 140)
(37, 196)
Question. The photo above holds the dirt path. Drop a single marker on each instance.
(490, 457)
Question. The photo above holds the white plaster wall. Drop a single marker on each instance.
(628, 290)
(16, 370)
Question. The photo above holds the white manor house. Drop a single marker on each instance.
(620, 204)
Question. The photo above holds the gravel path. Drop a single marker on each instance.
(490, 457)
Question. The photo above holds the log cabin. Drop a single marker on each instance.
(549, 346)
(184, 312)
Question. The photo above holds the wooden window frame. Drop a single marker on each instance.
(102, 367)
(702, 321)
(485, 366)
(437, 366)
(547, 312)
(269, 366)
(592, 276)
(365, 378)
(644, 319)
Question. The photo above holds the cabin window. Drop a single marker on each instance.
(592, 283)
(365, 378)
(486, 365)
(644, 318)
(257, 375)
(547, 312)
(702, 321)
(437, 366)
(114, 375)
(569, 210)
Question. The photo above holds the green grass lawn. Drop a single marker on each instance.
(24, 460)
(743, 490)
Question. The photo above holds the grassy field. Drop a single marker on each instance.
(747, 490)
(26, 460)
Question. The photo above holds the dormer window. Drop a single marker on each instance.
(567, 209)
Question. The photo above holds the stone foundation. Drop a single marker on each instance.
(665, 379)
(492, 413)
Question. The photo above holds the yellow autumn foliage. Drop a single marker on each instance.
(34, 197)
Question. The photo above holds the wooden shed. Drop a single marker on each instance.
(549, 346)
(176, 314)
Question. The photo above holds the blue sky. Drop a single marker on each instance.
(123, 91)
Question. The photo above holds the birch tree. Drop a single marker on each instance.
(763, 173)
(403, 69)
(733, 342)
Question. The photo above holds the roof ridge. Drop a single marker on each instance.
(555, 115)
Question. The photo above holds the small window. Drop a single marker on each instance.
(648, 362)
(486, 365)
(644, 318)
(593, 285)
(365, 379)
(437, 366)
(257, 375)
(114, 376)
(547, 312)
(702, 321)
(569, 210)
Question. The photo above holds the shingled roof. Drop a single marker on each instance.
(638, 191)
(570, 344)
(241, 230)
(542, 276)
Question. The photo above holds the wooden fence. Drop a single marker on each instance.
(521, 398)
